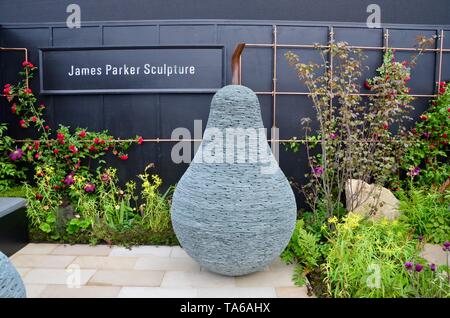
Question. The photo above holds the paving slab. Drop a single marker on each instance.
(127, 278)
(61, 291)
(82, 250)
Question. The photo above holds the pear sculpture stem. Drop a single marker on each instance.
(235, 64)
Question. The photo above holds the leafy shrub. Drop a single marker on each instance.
(305, 250)
(10, 172)
(303, 247)
(427, 157)
(427, 212)
(356, 138)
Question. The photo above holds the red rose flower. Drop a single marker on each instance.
(60, 136)
(23, 123)
(27, 64)
(92, 148)
(13, 108)
(82, 134)
(367, 85)
(47, 127)
(385, 126)
(96, 140)
(36, 156)
(123, 157)
(73, 149)
(36, 145)
(424, 117)
(56, 151)
(444, 135)
(28, 91)
(39, 196)
(140, 140)
(34, 119)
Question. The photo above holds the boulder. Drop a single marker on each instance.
(370, 200)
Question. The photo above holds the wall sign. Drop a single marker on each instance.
(149, 69)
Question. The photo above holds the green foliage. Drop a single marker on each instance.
(355, 138)
(427, 212)
(366, 259)
(10, 172)
(305, 250)
(155, 210)
(17, 191)
(100, 212)
(75, 198)
(303, 247)
(428, 148)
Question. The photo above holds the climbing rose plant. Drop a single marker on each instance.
(58, 156)
(426, 159)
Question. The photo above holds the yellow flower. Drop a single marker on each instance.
(351, 221)
(333, 220)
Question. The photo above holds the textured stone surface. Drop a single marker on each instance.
(365, 199)
(434, 253)
(11, 284)
(233, 216)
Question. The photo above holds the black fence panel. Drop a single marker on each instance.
(156, 115)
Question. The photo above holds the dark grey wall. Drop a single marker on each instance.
(393, 11)
(156, 115)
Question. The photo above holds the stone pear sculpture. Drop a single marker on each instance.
(11, 284)
(233, 210)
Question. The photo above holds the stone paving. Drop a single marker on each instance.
(143, 271)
